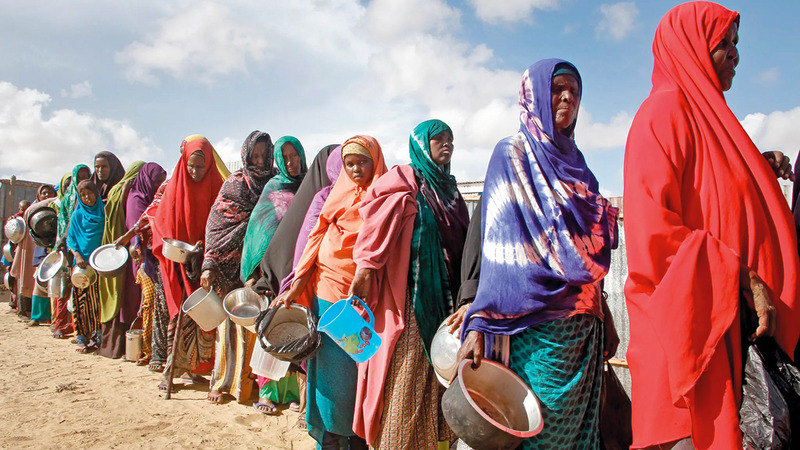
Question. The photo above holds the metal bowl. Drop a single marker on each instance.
(83, 278)
(50, 266)
(43, 222)
(108, 260)
(15, 229)
(243, 306)
(444, 351)
(205, 308)
(491, 407)
(9, 255)
(7, 281)
(176, 250)
(287, 325)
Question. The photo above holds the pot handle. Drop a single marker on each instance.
(366, 308)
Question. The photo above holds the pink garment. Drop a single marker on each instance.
(22, 268)
(384, 244)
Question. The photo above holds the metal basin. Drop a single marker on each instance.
(444, 349)
(491, 407)
(176, 250)
(205, 308)
(83, 278)
(15, 229)
(108, 260)
(43, 222)
(243, 306)
(9, 255)
(50, 266)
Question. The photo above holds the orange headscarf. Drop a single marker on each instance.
(183, 212)
(330, 245)
(700, 203)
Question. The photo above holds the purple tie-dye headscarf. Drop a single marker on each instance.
(546, 229)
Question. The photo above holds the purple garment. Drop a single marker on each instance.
(546, 229)
(143, 189)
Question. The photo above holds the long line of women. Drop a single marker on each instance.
(709, 236)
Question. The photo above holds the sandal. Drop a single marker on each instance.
(86, 349)
(294, 406)
(215, 397)
(267, 408)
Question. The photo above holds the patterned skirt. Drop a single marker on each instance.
(412, 417)
(194, 347)
(87, 312)
(562, 361)
(232, 361)
(160, 320)
(148, 310)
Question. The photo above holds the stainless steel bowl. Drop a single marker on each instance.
(43, 222)
(491, 407)
(15, 229)
(59, 285)
(287, 325)
(7, 281)
(176, 250)
(7, 251)
(83, 278)
(108, 260)
(50, 266)
(243, 306)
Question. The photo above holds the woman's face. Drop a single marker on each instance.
(259, 155)
(196, 166)
(565, 92)
(442, 148)
(88, 197)
(160, 179)
(83, 174)
(47, 192)
(359, 168)
(65, 185)
(291, 158)
(102, 169)
(725, 57)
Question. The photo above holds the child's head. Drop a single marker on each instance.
(88, 192)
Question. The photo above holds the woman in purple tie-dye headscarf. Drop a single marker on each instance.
(547, 240)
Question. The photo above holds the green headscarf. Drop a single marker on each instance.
(110, 287)
(268, 212)
(68, 199)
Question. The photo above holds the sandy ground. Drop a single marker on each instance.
(54, 397)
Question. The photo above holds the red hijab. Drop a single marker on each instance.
(182, 214)
(700, 202)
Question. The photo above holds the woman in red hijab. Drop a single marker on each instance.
(709, 236)
(182, 214)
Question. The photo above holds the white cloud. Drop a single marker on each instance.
(509, 11)
(229, 150)
(769, 76)
(199, 44)
(619, 19)
(42, 147)
(775, 131)
(79, 90)
(591, 135)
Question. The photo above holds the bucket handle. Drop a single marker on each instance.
(363, 305)
(134, 323)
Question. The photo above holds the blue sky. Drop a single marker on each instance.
(135, 78)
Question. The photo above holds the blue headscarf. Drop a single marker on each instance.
(86, 226)
(546, 229)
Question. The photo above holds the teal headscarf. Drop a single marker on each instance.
(271, 206)
(68, 200)
(86, 232)
(438, 237)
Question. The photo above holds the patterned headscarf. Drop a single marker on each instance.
(271, 207)
(545, 227)
(256, 177)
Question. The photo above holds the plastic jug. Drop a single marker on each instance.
(355, 335)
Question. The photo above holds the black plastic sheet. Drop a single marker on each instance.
(294, 351)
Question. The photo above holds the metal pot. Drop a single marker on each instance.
(108, 260)
(491, 407)
(7, 281)
(205, 308)
(59, 286)
(243, 306)
(176, 250)
(43, 222)
(9, 255)
(15, 229)
(82, 278)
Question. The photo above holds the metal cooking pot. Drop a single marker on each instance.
(15, 229)
(7, 251)
(205, 308)
(59, 286)
(82, 278)
(243, 306)
(43, 222)
(491, 407)
(176, 250)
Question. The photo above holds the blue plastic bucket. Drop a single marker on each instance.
(355, 335)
